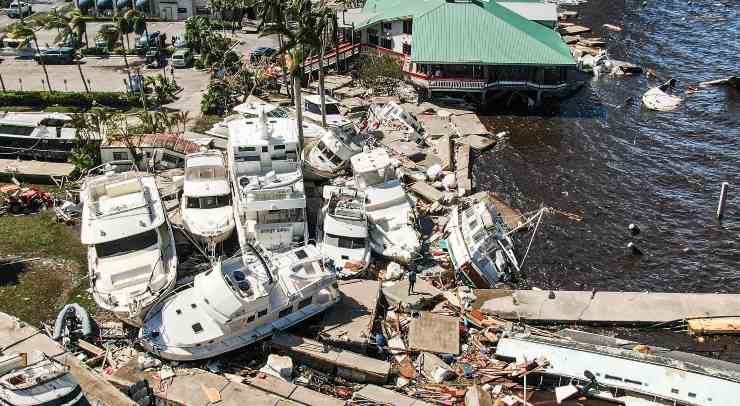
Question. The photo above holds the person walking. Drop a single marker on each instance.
(412, 280)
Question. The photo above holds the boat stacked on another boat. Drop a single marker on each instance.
(389, 210)
(267, 182)
(342, 230)
(131, 249)
(206, 207)
(34, 379)
(479, 244)
(240, 301)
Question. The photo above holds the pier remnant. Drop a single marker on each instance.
(722, 200)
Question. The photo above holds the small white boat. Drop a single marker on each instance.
(238, 302)
(206, 207)
(389, 209)
(34, 379)
(131, 248)
(312, 110)
(342, 230)
(479, 245)
(332, 152)
(660, 98)
(267, 182)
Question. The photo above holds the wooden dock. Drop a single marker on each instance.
(34, 170)
(605, 308)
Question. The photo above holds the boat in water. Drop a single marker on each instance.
(238, 302)
(661, 98)
(34, 379)
(40, 136)
(131, 249)
(328, 156)
(206, 208)
(267, 182)
(480, 246)
(342, 231)
(389, 209)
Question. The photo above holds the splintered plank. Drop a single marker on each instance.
(462, 167)
(427, 191)
(574, 30)
(477, 142)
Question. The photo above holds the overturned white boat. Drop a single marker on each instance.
(34, 379)
(332, 152)
(389, 209)
(206, 207)
(479, 244)
(342, 230)
(240, 301)
(131, 255)
(267, 182)
(660, 98)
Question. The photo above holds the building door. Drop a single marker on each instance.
(168, 13)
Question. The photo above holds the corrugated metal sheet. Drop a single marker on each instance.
(468, 33)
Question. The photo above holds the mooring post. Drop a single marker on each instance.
(722, 200)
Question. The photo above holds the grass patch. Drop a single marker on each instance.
(35, 291)
(205, 122)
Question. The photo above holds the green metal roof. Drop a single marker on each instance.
(385, 10)
(470, 33)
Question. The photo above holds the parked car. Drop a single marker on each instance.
(182, 58)
(154, 40)
(63, 56)
(17, 9)
(262, 52)
(181, 42)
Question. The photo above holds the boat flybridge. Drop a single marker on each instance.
(33, 378)
(238, 302)
(37, 135)
(206, 207)
(267, 182)
(480, 246)
(342, 230)
(131, 248)
(389, 209)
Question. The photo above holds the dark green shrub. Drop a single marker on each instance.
(68, 99)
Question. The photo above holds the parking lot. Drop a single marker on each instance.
(108, 73)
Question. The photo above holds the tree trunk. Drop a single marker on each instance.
(43, 62)
(322, 93)
(336, 42)
(298, 109)
(282, 66)
(128, 44)
(128, 69)
(87, 40)
(82, 76)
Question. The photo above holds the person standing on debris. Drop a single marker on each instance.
(412, 280)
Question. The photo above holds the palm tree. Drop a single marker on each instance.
(272, 14)
(137, 21)
(78, 25)
(183, 119)
(124, 29)
(326, 27)
(22, 30)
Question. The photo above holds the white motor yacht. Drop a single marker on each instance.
(480, 246)
(239, 301)
(206, 200)
(43, 136)
(389, 209)
(342, 230)
(332, 152)
(267, 182)
(312, 110)
(131, 255)
(34, 379)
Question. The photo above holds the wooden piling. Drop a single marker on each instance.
(722, 200)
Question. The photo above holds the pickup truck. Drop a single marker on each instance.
(17, 9)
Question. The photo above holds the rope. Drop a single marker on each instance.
(531, 240)
(21, 150)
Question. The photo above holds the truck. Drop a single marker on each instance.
(19, 9)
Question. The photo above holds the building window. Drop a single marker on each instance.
(407, 27)
(387, 26)
(202, 11)
(120, 156)
(407, 49)
(372, 37)
(386, 43)
(182, 10)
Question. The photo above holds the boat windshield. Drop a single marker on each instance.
(345, 242)
(136, 242)
(205, 173)
(332, 109)
(208, 202)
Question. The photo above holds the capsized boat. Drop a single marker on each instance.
(389, 210)
(660, 98)
(238, 302)
(342, 230)
(479, 244)
(131, 248)
(34, 379)
(267, 182)
(206, 207)
(332, 152)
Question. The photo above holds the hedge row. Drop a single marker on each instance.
(68, 99)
